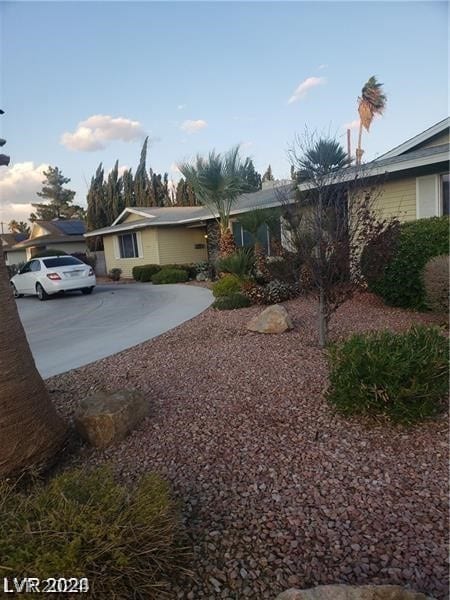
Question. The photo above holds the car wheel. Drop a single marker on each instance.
(87, 291)
(41, 293)
(15, 292)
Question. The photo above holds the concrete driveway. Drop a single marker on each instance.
(73, 330)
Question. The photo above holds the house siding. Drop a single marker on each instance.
(67, 247)
(149, 248)
(398, 198)
(132, 217)
(443, 138)
(14, 257)
(177, 245)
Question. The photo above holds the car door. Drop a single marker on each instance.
(35, 273)
(22, 281)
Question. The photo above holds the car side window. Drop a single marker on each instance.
(25, 268)
(35, 265)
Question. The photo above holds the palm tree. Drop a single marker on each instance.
(217, 182)
(321, 157)
(31, 432)
(371, 102)
(18, 227)
(252, 221)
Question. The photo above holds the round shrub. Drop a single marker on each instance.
(278, 291)
(401, 375)
(169, 276)
(145, 272)
(84, 524)
(241, 263)
(227, 285)
(435, 281)
(401, 283)
(231, 302)
(115, 274)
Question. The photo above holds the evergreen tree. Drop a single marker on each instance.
(251, 176)
(142, 184)
(60, 199)
(96, 207)
(128, 188)
(113, 194)
(268, 175)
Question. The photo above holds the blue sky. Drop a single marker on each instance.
(83, 82)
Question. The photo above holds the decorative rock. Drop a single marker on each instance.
(274, 319)
(353, 592)
(106, 417)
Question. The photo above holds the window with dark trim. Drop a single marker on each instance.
(128, 246)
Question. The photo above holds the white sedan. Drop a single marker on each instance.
(53, 274)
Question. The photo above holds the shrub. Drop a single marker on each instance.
(278, 291)
(14, 269)
(166, 275)
(241, 263)
(231, 302)
(435, 281)
(88, 260)
(87, 525)
(50, 252)
(190, 269)
(401, 283)
(401, 375)
(145, 272)
(253, 291)
(227, 285)
(285, 269)
(115, 274)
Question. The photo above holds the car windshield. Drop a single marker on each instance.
(61, 261)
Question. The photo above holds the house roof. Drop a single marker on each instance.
(63, 226)
(184, 215)
(418, 139)
(48, 239)
(10, 239)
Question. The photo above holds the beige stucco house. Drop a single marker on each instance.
(59, 234)
(415, 185)
(8, 241)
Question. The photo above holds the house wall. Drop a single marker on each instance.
(37, 230)
(398, 198)
(132, 217)
(14, 257)
(443, 138)
(148, 247)
(177, 245)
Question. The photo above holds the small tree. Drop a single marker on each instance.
(217, 182)
(268, 175)
(60, 199)
(19, 227)
(329, 219)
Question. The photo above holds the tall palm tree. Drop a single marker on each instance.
(371, 102)
(31, 432)
(217, 182)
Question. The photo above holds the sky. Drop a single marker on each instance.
(85, 82)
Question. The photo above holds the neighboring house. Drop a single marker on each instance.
(59, 234)
(8, 241)
(415, 185)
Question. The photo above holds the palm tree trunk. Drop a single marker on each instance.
(359, 151)
(31, 432)
(227, 245)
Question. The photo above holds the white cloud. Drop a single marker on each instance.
(190, 126)
(181, 106)
(304, 87)
(94, 133)
(352, 125)
(18, 187)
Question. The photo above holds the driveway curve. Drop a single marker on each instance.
(73, 330)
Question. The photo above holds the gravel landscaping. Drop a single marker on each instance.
(276, 490)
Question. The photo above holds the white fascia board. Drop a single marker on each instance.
(418, 139)
(131, 210)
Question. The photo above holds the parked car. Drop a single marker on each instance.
(53, 274)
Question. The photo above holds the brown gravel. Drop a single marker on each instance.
(276, 490)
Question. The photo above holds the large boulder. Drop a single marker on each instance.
(353, 592)
(274, 319)
(106, 417)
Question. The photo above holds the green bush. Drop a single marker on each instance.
(170, 276)
(54, 252)
(436, 284)
(231, 302)
(279, 291)
(227, 285)
(285, 269)
(241, 263)
(401, 283)
(87, 525)
(145, 272)
(401, 375)
(190, 269)
(115, 274)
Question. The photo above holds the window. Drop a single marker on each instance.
(128, 246)
(445, 194)
(61, 261)
(35, 265)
